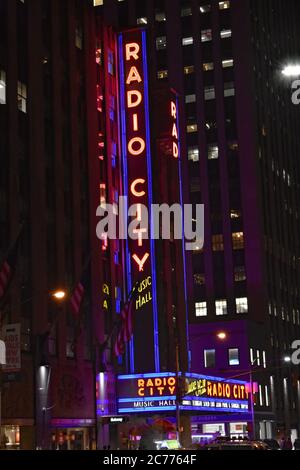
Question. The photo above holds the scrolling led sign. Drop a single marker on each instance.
(137, 182)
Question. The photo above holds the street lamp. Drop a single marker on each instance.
(222, 335)
(287, 359)
(291, 70)
(58, 294)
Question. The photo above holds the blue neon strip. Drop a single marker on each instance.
(146, 376)
(143, 410)
(127, 400)
(125, 181)
(152, 248)
(183, 238)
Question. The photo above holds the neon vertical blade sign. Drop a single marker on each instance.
(137, 181)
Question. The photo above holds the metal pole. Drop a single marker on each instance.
(178, 392)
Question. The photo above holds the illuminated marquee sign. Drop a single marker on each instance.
(157, 392)
(137, 183)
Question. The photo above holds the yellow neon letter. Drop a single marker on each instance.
(132, 49)
(141, 144)
(140, 262)
(138, 96)
(133, 185)
(173, 109)
(133, 76)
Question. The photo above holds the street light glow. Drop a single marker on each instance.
(291, 70)
(222, 335)
(287, 359)
(59, 294)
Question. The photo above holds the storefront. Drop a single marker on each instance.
(73, 434)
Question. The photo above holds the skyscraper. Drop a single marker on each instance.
(240, 128)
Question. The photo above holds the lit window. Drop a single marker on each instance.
(229, 89)
(241, 305)
(238, 240)
(209, 358)
(233, 357)
(187, 41)
(235, 214)
(199, 279)
(212, 152)
(206, 35)
(224, 5)
(188, 69)
(209, 93)
(217, 243)
(221, 307)
(186, 11)
(251, 356)
(190, 128)
(227, 63)
(233, 146)
(142, 20)
(200, 309)
(159, 17)
(226, 33)
(264, 359)
(161, 42)
(208, 66)
(2, 87)
(267, 395)
(110, 62)
(205, 8)
(210, 125)
(239, 274)
(161, 74)
(22, 97)
(193, 153)
(98, 3)
(78, 38)
(190, 99)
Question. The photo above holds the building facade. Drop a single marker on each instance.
(240, 128)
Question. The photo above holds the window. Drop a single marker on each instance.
(241, 305)
(229, 89)
(193, 153)
(264, 359)
(187, 41)
(2, 87)
(161, 42)
(78, 38)
(22, 97)
(188, 69)
(206, 35)
(207, 66)
(224, 5)
(217, 243)
(190, 128)
(212, 152)
(225, 33)
(97, 3)
(227, 63)
(233, 357)
(205, 8)
(209, 93)
(142, 20)
(161, 74)
(209, 358)
(200, 309)
(251, 356)
(267, 395)
(186, 11)
(235, 214)
(160, 16)
(221, 307)
(190, 99)
(261, 401)
(238, 240)
(258, 357)
(239, 274)
(199, 279)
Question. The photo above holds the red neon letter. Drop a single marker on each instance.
(132, 50)
(141, 144)
(173, 109)
(133, 185)
(138, 96)
(133, 76)
(140, 262)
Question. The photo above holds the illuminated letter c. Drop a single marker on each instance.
(133, 185)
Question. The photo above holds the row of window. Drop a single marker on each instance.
(206, 36)
(239, 276)
(189, 69)
(218, 242)
(284, 314)
(241, 305)
(212, 150)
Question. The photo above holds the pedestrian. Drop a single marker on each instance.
(288, 444)
(282, 442)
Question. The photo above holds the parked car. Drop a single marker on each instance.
(237, 445)
(272, 443)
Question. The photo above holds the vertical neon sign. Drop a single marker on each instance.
(137, 183)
